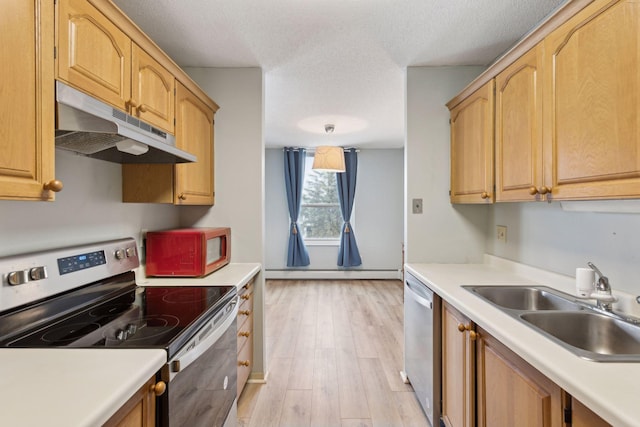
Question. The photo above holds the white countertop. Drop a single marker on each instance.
(232, 274)
(70, 387)
(611, 390)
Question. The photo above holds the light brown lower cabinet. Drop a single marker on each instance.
(245, 335)
(140, 409)
(485, 384)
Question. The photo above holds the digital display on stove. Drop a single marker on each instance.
(80, 262)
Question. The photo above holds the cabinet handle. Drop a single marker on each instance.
(158, 388)
(243, 363)
(181, 196)
(461, 327)
(244, 312)
(485, 195)
(142, 108)
(244, 334)
(473, 335)
(245, 296)
(544, 190)
(53, 185)
(533, 190)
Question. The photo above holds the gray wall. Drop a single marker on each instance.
(444, 233)
(88, 209)
(545, 236)
(378, 214)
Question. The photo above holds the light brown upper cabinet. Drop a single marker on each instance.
(472, 147)
(518, 139)
(27, 145)
(95, 56)
(592, 100)
(180, 184)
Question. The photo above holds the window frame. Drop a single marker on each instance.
(318, 241)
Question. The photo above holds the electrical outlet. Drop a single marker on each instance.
(417, 206)
(501, 233)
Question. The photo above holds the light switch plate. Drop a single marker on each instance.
(501, 233)
(417, 206)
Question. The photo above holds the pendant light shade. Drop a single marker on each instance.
(330, 159)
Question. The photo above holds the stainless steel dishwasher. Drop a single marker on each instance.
(422, 344)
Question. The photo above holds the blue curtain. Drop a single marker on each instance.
(348, 255)
(294, 162)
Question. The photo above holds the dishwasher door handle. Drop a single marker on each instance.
(421, 299)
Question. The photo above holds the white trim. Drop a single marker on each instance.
(333, 274)
(322, 242)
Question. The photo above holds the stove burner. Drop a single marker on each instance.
(109, 310)
(186, 296)
(68, 333)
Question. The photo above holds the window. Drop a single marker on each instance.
(320, 218)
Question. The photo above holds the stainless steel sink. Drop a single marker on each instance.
(525, 297)
(596, 336)
(572, 323)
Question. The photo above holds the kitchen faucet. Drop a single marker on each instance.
(602, 295)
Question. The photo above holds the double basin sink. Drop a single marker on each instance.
(577, 326)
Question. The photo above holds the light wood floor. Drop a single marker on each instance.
(334, 351)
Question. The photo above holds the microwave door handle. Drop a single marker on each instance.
(190, 356)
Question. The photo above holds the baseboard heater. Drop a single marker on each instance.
(299, 274)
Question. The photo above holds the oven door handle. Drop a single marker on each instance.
(182, 361)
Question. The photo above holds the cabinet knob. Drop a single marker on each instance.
(159, 388)
(244, 312)
(544, 190)
(243, 363)
(461, 327)
(142, 108)
(53, 185)
(485, 195)
(473, 335)
(245, 296)
(244, 334)
(181, 196)
(533, 190)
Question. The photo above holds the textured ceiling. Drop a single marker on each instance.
(335, 61)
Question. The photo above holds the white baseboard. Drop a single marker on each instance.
(333, 274)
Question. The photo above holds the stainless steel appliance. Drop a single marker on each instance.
(88, 126)
(422, 345)
(86, 296)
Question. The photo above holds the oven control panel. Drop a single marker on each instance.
(30, 277)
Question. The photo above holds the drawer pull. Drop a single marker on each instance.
(244, 312)
(244, 334)
(246, 296)
(158, 388)
(243, 363)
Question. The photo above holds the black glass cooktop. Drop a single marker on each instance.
(118, 314)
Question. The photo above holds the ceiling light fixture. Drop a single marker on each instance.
(329, 158)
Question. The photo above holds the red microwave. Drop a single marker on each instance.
(187, 252)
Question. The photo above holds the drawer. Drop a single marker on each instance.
(245, 364)
(244, 313)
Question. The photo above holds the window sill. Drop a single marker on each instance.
(322, 242)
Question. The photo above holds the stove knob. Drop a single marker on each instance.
(121, 335)
(131, 329)
(18, 277)
(38, 273)
(120, 254)
(131, 252)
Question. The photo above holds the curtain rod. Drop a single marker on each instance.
(314, 149)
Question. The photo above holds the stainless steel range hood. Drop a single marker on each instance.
(92, 128)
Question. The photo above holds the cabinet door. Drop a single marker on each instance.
(472, 148)
(592, 114)
(458, 369)
(93, 54)
(511, 392)
(581, 416)
(194, 134)
(153, 88)
(27, 101)
(519, 129)
(140, 409)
